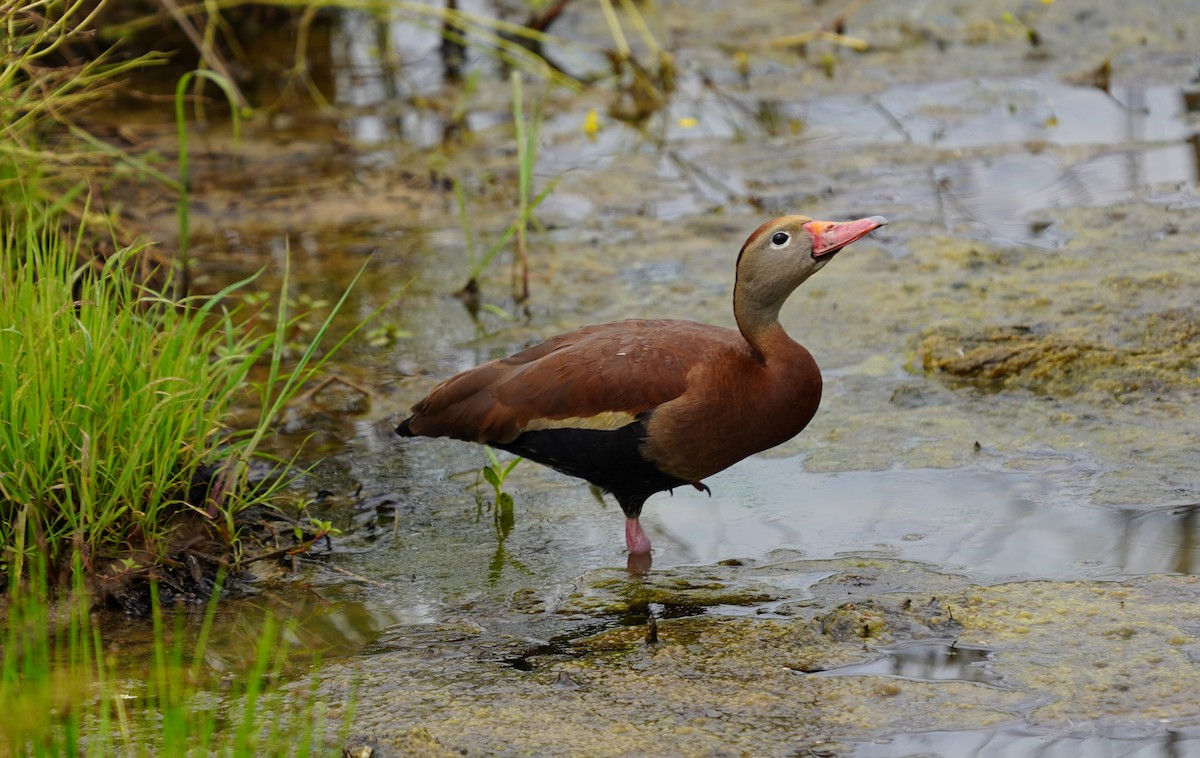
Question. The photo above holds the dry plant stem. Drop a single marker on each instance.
(268, 555)
(521, 268)
(541, 22)
(836, 23)
(525, 168)
(300, 66)
(794, 40)
(453, 48)
(357, 577)
(207, 51)
(312, 393)
(614, 28)
(59, 30)
(639, 22)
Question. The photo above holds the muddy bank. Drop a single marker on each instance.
(828, 673)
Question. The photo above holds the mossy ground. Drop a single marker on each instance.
(1062, 654)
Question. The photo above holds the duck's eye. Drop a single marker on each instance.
(779, 239)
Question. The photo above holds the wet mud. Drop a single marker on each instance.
(985, 542)
(838, 673)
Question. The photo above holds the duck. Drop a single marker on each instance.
(644, 405)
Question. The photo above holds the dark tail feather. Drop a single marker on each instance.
(405, 428)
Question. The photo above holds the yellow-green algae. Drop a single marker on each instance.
(1119, 653)
(1065, 653)
(1165, 356)
(611, 591)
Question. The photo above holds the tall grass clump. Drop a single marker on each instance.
(114, 402)
(112, 398)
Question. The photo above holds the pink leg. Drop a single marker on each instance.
(635, 539)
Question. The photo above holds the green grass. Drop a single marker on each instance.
(111, 398)
(114, 399)
(65, 694)
(183, 274)
(526, 134)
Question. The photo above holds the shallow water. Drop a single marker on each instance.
(1018, 199)
(1010, 743)
(989, 523)
(930, 661)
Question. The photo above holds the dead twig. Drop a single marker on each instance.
(308, 396)
(837, 24)
(208, 54)
(803, 38)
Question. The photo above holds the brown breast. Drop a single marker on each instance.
(736, 404)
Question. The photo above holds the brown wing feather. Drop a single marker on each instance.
(628, 367)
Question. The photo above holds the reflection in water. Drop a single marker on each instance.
(391, 76)
(1139, 143)
(1170, 533)
(991, 523)
(967, 192)
(1020, 742)
(503, 520)
(638, 564)
(1059, 145)
(307, 624)
(926, 661)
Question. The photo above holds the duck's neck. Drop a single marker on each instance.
(757, 298)
(762, 330)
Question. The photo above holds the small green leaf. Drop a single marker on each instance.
(492, 477)
(491, 454)
(496, 310)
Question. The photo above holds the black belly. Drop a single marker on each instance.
(611, 460)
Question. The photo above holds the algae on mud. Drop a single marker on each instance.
(1111, 311)
(1166, 358)
(1063, 654)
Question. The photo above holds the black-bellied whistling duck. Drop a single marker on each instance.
(641, 406)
